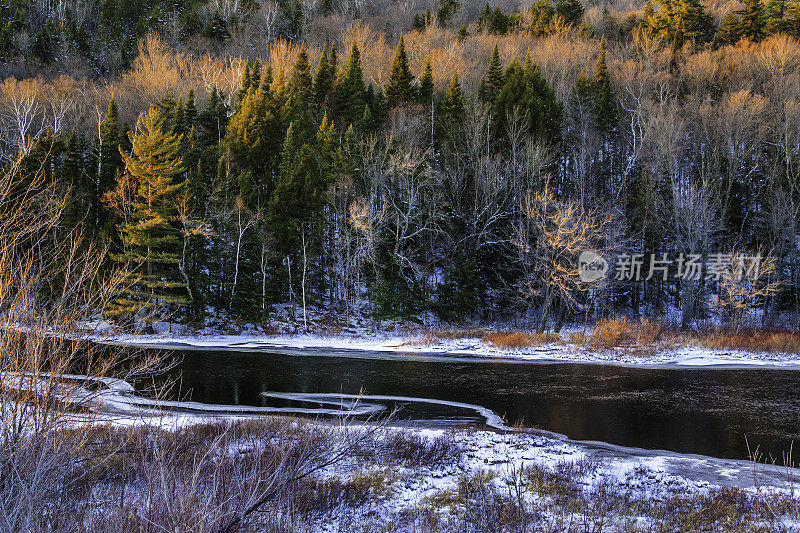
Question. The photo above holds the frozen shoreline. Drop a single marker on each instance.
(496, 457)
(463, 350)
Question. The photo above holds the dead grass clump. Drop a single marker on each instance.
(510, 340)
(419, 450)
(435, 336)
(750, 341)
(621, 333)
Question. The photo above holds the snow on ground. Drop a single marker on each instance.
(502, 459)
(383, 345)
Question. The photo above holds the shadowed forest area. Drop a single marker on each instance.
(412, 158)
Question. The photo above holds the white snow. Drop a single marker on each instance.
(471, 348)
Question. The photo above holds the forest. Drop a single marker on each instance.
(413, 158)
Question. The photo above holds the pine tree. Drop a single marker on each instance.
(426, 85)
(752, 20)
(527, 95)
(492, 81)
(297, 197)
(729, 31)
(179, 118)
(605, 105)
(190, 109)
(149, 235)
(400, 89)
(299, 96)
(109, 159)
(453, 103)
(351, 92)
(777, 12)
(245, 83)
(255, 75)
(324, 78)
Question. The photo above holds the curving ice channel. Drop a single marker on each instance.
(117, 396)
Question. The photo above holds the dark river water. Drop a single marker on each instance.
(703, 411)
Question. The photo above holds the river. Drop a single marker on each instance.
(714, 412)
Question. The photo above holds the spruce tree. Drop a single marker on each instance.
(245, 83)
(324, 78)
(453, 102)
(299, 96)
(752, 20)
(109, 159)
(527, 95)
(255, 75)
(605, 105)
(298, 195)
(150, 242)
(190, 109)
(492, 81)
(351, 91)
(253, 141)
(729, 31)
(400, 89)
(426, 85)
(179, 118)
(777, 12)
(74, 176)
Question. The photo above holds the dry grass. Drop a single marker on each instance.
(748, 341)
(622, 332)
(507, 340)
(511, 340)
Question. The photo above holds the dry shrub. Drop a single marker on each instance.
(621, 332)
(749, 341)
(510, 340)
(415, 449)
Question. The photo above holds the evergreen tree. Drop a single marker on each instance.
(253, 141)
(752, 20)
(679, 21)
(73, 174)
(426, 87)
(150, 239)
(527, 95)
(190, 109)
(453, 103)
(255, 75)
(729, 31)
(571, 11)
(297, 196)
(492, 81)
(109, 159)
(212, 122)
(245, 83)
(299, 96)
(179, 118)
(325, 76)
(350, 93)
(777, 12)
(400, 89)
(605, 105)
(109, 164)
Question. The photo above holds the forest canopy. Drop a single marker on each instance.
(448, 159)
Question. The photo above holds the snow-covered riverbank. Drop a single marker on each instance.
(413, 479)
(475, 349)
